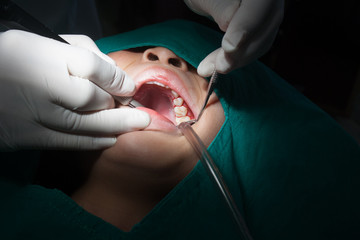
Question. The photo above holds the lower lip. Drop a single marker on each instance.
(158, 122)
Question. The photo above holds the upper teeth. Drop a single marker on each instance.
(157, 83)
(175, 94)
(182, 119)
(178, 101)
(180, 110)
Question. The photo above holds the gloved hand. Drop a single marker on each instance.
(51, 94)
(250, 28)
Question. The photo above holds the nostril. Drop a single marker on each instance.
(152, 57)
(175, 62)
(164, 56)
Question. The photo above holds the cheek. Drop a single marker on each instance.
(125, 59)
(211, 121)
(197, 87)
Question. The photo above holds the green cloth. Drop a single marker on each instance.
(293, 171)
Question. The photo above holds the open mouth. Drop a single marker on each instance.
(164, 100)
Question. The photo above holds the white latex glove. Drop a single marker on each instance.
(52, 97)
(250, 28)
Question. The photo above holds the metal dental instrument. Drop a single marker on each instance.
(210, 90)
(14, 17)
(215, 175)
(127, 101)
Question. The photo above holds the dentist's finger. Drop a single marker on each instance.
(207, 65)
(60, 140)
(82, 95)
(86, 64)
(105, 122)
(86, 42)
(221, 11)
(246, 53)
(251, 18)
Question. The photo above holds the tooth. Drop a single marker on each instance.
(182, 119)
(156, 83)
(175, 94)
(180, 111)
(178, 101)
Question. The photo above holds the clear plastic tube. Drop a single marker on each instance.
(215, 175)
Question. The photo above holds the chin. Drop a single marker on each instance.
(150, 149)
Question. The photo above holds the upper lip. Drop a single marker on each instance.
(169, 78)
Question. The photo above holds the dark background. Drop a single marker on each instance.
(317, 48)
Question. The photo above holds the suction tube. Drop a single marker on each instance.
(215, 176)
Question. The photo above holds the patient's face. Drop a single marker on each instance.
(171, 92)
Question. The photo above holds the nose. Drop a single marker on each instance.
(164, 56)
